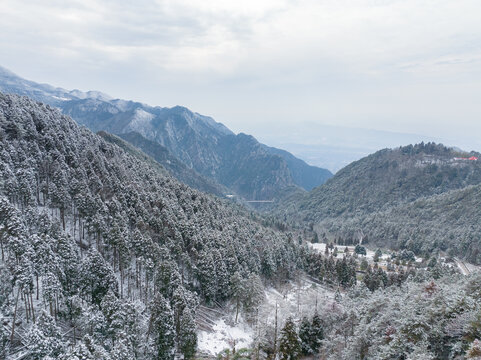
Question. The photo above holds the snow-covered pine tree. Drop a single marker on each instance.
(289, 342)
(187, 339)
(44, 339)
(317, 333)
(162, 328)
(237, 292)
(207, 276)
(96, 277)
(305, 333)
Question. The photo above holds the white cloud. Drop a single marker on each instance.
(365, 33)
(355, 62)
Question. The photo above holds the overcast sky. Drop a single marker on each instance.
(410, 66)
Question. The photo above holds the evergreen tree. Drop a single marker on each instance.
(187, 334)
(334, 253)
(317, 333)
(168, 278)
(364, 265)
(237, 288)
(183, 305)
(207, 276)
(222, 276)
(162, 328)
(305, 332)
(96, 277)
(44, 339)
(111, 309)
(289, 342)
(360, 250)
(253, 292)
(122, 351)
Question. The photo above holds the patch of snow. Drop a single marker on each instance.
(321, 247)
(466, 268)
(123, 105)
(89, 95)
(472, 268)
(225, 336)
(140, 121)
(295, 299)
(60, 98)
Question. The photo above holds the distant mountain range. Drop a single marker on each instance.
(196, 149)
(423, 198)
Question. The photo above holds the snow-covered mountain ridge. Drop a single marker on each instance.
(239, 162)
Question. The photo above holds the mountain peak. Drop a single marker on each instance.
(90, 95)
(202, 144)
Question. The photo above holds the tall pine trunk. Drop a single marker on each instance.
(15, 315)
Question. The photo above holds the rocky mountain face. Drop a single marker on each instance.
(307, 177)
(238, 162)
(418, 197)
(133, 142)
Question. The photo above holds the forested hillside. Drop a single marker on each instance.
(446, 223)
(307, 177)
(424, 318)
(421, 198)
(104, 256)
(161, 155)
(389, 177)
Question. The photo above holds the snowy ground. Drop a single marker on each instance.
(225, 336)
(296, 299)
(466, 268)
(321, 247)
(472, 268)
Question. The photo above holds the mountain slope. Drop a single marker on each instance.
(196, 140)
(203, 145)
(160, 154)
(422, 198)
(303, 175)
(11, 83)
(102, 249)
(389, 177)
(447, 222)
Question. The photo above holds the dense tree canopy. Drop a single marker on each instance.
(105, 241)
